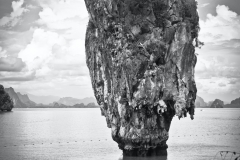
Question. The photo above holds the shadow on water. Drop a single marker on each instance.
(160, 155)
(144, 158)
(5, 112)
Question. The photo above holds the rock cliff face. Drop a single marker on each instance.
(24, 99)
(6, 102)
(199, 102)
(141, 58)
(236, 101)
(234, 104)
(16, 100)
(217, 103)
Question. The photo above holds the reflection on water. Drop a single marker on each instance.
(162, 155)
(144, 158)
(82, 134)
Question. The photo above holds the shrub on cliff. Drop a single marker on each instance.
(6, 102)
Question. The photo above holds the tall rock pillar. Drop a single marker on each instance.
(141, 58)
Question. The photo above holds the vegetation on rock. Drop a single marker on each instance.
(16, 100)
(141, 59)
(6, 102)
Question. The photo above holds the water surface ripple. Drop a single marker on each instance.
(81, 134)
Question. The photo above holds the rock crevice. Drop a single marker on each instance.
(141, 58)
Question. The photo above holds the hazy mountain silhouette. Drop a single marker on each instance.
(32, 101)
(24, 98)
(217, 103)
(43, 99)
(69, 101)
(234, 104)
(16, 100)
(199, 102)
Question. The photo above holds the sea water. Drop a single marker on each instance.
(81, 134)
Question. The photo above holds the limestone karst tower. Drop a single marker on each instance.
(141, 58)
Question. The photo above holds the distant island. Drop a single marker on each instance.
(6, 103)
(234, 104)
(23, 101)
(217, 103)
(32, 101)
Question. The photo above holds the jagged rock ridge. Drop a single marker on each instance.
(141, 59)
(6, 103)
(25, 99)
(16, 100)
(199, 102)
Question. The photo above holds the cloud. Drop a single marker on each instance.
(221, 86)
(224, 26)
(50, 53)
(79, 86)
(30, 6)
(57, 10)
(12, 42)
(57, 47)
(39, 51)
(216, 66)
(15, 16)
(204, 5)
(70, 15)
(28, 77)
(2, 52)
(11, 64)
(233, 81)
(54, 56)
(230, 44)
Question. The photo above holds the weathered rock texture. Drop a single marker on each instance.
(141, 58)
(6, 102)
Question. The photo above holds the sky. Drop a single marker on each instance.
(42, 48)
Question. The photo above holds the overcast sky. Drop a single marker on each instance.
(42, 48)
